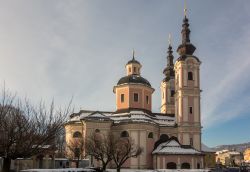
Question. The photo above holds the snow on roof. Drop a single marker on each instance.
(234, 153)
(96, 114)
(174, 147)
(132, 116)
(222, 151)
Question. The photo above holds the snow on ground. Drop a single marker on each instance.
(160, 170)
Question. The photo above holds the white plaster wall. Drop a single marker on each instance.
(185, 109)
(158, 162)
(134, 135)
(185, 77)
(164, 162)
(185, 139)
(196, 109)
(143, 144)
(195, 78)
(196, 141)
(180, 78)
(180, 108)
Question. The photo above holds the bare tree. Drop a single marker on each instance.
(122, 150)
(60, 145)
(98, 146)
(27, 129)
(76, 149)
(111, 147)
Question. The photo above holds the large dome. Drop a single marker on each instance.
(133, 79)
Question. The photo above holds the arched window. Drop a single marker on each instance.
(164, 137)
(77, 134)
(124, 134)
(151, 135)
(190, 75)
(185, 165)
(97, 131)
(171, 165)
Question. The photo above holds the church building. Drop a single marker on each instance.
(171, 139)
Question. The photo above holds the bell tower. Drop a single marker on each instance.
(187, 88)
(133, 92)
(167, 84)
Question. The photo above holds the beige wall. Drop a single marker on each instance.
(128, 90)
(188, 95)
(133, 68)
(167, 102)
(247, 155)
(160, 161)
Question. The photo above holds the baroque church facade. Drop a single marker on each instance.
(171, 138)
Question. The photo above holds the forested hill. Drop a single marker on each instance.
(238, 147)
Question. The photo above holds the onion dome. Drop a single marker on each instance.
(133, 79)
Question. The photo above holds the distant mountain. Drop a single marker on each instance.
(238, 147)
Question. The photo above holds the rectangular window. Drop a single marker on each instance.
(147, 99)
(122, 98)
(136, 97)
(190, 76)
(191, 141)
(190, 110)
(134, 69)
(172, 93)
(129, 69)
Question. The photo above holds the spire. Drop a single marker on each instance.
(133, 54)
(186, 47)
(169, 70)
(133, 59)
(185, 8)
(170, 56)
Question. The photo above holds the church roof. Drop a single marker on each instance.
(133, 116)
(172, 146)
(136, 79)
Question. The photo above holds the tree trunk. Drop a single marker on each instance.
(104, 165)
(77, 162)
(6, 164)
(118, 169)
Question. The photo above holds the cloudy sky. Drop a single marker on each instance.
(51, 49)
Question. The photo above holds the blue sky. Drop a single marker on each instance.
(58, 49)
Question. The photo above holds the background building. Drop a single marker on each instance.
(229, 158)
